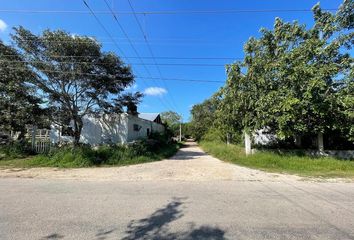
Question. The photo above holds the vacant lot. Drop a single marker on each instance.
(282, 163)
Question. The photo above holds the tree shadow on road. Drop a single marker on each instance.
(188, 155)
(156, 226)
(53, 236)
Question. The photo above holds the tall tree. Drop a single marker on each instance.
(293, 75)
(203, 117)
(75, 75)
(172, 120)
(18, 102)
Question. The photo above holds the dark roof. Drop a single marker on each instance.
(149, 116)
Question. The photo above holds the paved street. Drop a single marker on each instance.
(204, 205)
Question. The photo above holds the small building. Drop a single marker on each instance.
(112, 129)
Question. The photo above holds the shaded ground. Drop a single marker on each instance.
(187, 197)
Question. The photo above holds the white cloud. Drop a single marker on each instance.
(3, 26)
(133, 87)
(155, 91)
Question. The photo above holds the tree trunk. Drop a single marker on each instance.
(78, 124)
(298, 141)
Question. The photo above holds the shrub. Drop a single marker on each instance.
(69, 156)
(18, 149)
(82, 156)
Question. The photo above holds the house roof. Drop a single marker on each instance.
(149, 116)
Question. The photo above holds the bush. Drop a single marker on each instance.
(216, 135)
(82, 156)
(156, 148)
(283, 163)
(18, 149)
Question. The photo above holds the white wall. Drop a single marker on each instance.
(143, 125)
(110, 129)
(98, 130)
(262, 137)
(113, 129)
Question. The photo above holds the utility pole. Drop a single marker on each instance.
(180, 129)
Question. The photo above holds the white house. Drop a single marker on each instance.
(117, 128)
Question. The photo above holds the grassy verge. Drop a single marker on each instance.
(87, 157)
(281, 163)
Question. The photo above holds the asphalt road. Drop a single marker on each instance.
(240, 208)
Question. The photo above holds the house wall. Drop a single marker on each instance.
(261, 137)
(113, 129)
(144, 125)
(110, 129)
(95, 131)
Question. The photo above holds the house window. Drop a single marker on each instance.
(136, 127)
(148, 132)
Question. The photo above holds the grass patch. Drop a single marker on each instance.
(85, 156)
(281, 163)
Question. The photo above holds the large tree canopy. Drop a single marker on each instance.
(18, 102)
(172, 120)
(293, 75)
(74, 74)
(203, 117)
(297, 80)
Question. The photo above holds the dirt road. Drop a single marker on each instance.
(191, 196)
(189, 164)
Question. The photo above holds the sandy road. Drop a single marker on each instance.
(189, 164)
(191, 196)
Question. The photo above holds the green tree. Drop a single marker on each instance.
(172, 120)
(203, 117)
(293, 75)
(19, 104)
(74, 74)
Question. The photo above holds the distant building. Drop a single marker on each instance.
(111, 129)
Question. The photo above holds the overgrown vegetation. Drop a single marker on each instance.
(157, 148)
(281, 163)
(15, 150)
(295, 81)
(42, 81)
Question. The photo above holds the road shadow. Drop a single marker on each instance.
(188, 155)
(104, 233)
(53, 236)
(156, 226)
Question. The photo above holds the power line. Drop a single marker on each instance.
(104, 28)
(110, 36)
(168, 12)
(147, 57)
(188, 80)
(151, 52)
(145, 64)
(129, 40)
(140, 77)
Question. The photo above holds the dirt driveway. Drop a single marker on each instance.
(189, 164)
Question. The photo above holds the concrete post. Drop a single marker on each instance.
(248, 146)
(34, 130)
(180, 132)
(298, 141)
(320, 142)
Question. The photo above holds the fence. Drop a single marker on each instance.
(40, 139)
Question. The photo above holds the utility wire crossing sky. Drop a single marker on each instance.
(178, 49)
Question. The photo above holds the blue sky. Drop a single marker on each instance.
(170, 35)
